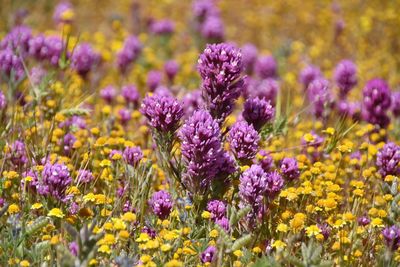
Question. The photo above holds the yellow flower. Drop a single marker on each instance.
(214, 233)
(377, 222)
(24, 263)
(312, 230)
(282, 228)
(166, 247)
(278, 244)
(104, 249)
(56, 212)
(36, 206)
(206, 215)
(174, 263)
(129, 217)
(123, 235)
(238, 253)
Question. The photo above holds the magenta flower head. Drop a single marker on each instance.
(209, 255)
(161, 204)
(345, 77)
(133, 155)
(162, 27)
(220, 67)
(201, 150)
(217, 209)
(250, 54)
(68, 143)
(243, 140)
(163, 112)
(309, 74)
(392, 237)
(377, 101)
(265, 89)
(203, 9)
(153, 79)
(108, 93)
(55, 181)
(130, 94)
(320, 97)
(396, 104)
(129, 53)
(266, 161)
(266, 67)
(171, 68)
(290, 169)
(192, 101)
(213, 28)
(84, 58)
(388, 159)
(17, 153)
(17, 40)
(52, 50)
(124, 116)
(275, 183)
(62, 13)
(258, 112)
(85, 176)
(11, 65)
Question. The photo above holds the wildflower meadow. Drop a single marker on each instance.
(199, 133)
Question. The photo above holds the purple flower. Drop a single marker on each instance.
(108, 93)
(388, 159)
(124, 115)
(203, 9)
(130, 94)
(274, 184)
(377, 101)
(320, 97)
(153, 79)
(161, 204)
(201, 150)
(392, 237)
(224, 223)
(17, 153)
(60, 11)
(208, 255)
(217, 209)
(162, 112)
(309, 74)
(351, 109)
(253, 185)
(3, 101)
(129, 53)
(325, 230)
(192, 101)
(258, 112)
(68, 143)
(162, 27)
(11, 65)
(84, 58)
(85, 176)
(17, 40)
(243, 140)
(133, 155)
(250, 53)
(265, 89)
(74, 122)
(220, 67)
(150, 231)
(266, 162)
(213, 28)
(289, 169)
(171, 68)
(55, 181)
(345, 76)
(73, 248)
(396, 104)
(363, 220)
(53, 49)
(266, 67)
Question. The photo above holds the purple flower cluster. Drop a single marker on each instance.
(68, 143)
(17, 40)
(392, 237)
(388, 159)
(258, 112)
(55, 181)
(266, 67)
(154, 78)
(85, 176)
(249, 55)
(309, 74)
(290, 169)
(217, 208)
(17, 154)
(108, 93)
(265, 89)
(275, 183)
(319, 95)
(162, 27)
(171, 68)
(130, 94)
(266, 162)
(129, 53)
(208, 255)
(161, 204)
(345, 77)
(209, 21)
(11, 65)
(377, 101)
(202, 151)
(213, 28)
(163, 112)
(192, 101)
(243, 140)
(46, 48)
(220, 67)
(84, 58)
(133, 155)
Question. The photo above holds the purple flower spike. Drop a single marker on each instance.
(162, 27)
(133, 155)
(217, 209)
(266, 89)
(161, 204)
(243, 140)
(153, 79)
(266, 67)
(213, 28)
(171, 68)
(388, 159)
(18, 153)
(274, 184)
(129, 53)
(85, 176)
(192, 101)
(130, 94)
(3, 101)
(84, 58)
(377, 101)
(250, 53)
(17, 40)
(11, 65)
(345, 77)
(396, 104)
(252, 187)
(309, 74)
(55, 181)
(320, 96)
(220, 67)
(162, 112)
(392, 237)
(258, 112)
(60, 11)
(289, 169)
(208, 255)
(108, 93)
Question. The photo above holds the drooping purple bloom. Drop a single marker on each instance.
(392, 237)
(133, 155)
(388, 159)
(161, 204)
(320, 97)
(162, 112)
(84, 58)
(208, 255)
(345, 77)
(217, 208)
(17, 154)
(153, 79)
(162, 27)
(55, 181)
(213, 28)
(309, 74)
(258, 112)
(171, 68)
(250, 53)
(220, 67)
(201, 150)
(85, 176)
(130, 94)
(377, 101)
(129, 53)
(108, 93)
(243, 140)
(289, 169)
(266, 67)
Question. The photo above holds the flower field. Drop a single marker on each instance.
(199, 133)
